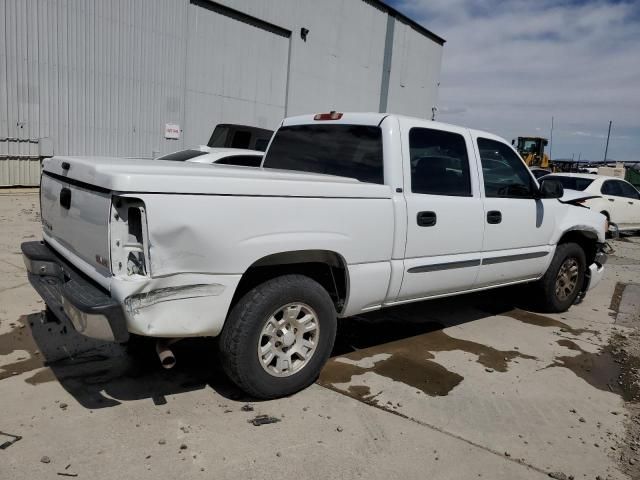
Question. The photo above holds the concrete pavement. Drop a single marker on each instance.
(470, 387)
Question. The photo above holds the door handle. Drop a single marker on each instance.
(494, 217)
(65, 198)
(427, 219)
(611, 199)
(630, 203)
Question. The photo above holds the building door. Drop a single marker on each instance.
(236, 72)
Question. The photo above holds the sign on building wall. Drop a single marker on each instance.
(172, 131)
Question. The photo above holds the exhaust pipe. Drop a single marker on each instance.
(166, 356)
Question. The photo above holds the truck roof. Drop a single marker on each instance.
(374, 119)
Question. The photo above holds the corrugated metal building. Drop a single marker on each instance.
(104, 77)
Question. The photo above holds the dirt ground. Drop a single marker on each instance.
(476, 386)
(625, 348)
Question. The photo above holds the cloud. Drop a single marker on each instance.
(509, 66)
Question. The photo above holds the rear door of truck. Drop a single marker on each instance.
(75, 218)
(444, 210)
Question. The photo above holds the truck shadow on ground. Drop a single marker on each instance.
(103, 374)
(405, 321)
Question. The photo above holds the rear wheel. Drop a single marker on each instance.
(278, 336)
(562, 282)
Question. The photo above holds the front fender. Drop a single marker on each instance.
(580, 219)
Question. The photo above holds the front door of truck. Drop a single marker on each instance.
(444, 211)
(518, 227)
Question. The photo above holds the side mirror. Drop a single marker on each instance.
(551, 188)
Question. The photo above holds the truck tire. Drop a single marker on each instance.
(562, 282)
(278, 336)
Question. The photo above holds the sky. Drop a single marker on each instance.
(510, 65)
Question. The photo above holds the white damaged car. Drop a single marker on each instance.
(613, 197)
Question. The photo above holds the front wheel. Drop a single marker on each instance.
(278, 336)
(564, 279)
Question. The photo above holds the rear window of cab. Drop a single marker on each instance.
(353, 151)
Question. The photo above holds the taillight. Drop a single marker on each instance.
(328, 116)
(128, 237)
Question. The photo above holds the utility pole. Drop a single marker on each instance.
(551, 140)
(606, 149)
(579, 155)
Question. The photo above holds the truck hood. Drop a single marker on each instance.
(147, 176)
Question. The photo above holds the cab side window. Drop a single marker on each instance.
(439, 163)
(505, 174)
(612, 187)
(629, 191)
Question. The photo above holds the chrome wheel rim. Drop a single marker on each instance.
(288, 339)
(567, 279)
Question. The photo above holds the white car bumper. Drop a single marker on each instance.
(596, 269)
(595, 275)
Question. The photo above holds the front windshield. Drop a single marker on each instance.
(219, 137)
(529, 146)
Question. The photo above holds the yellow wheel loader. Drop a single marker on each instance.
(531, 149)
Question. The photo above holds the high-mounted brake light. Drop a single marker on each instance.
(328, 116)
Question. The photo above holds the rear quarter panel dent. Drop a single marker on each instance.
(227, 234)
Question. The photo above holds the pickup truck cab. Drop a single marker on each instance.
(348, 213)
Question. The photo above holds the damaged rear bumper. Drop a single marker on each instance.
(72, 296)
(596, 269)
(173, 306)
(176, 306)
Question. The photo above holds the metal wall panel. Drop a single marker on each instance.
(97, 77)
(340, 64)
(236, 72)
(19, 171)
(103, 77)
(415, 72)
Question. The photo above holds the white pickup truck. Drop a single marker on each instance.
(349, 213)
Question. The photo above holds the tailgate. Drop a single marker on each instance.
(77, 216)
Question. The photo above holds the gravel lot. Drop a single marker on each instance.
(469, 387)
